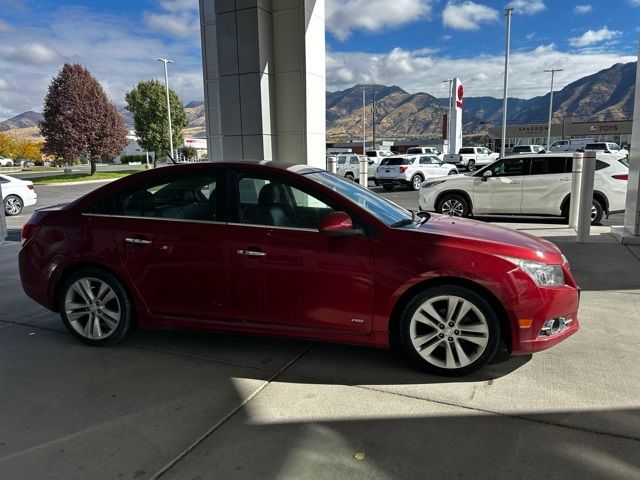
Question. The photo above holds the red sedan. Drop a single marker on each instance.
(294, 251)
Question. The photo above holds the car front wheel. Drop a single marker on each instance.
(416, 181)
(596, 212)
(95, 307)
(13, 205)
(449, 330)
(471, 166)
(453, 205)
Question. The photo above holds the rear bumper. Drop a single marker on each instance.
(391, 181)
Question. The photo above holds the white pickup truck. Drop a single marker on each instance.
(471, 157)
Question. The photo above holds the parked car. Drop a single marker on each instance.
(295, 251)
(522, 185)
(471, 157)
(348, 166)
(411, 170)
(520, 149)
(425, 151)
(6, 162)
(378, 155)
(570, 145)
(17, 194)
(607, 147)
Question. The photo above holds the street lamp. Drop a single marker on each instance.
(507, 13)
(553, 71)
(166, 86)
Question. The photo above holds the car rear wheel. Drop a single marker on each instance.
(13, 205)
(453, 205)
(95, 307)
(471, 166)
(453, 172)
(449, 330)
(416, 181)
(596, 212)
(349, 176)
(387, 187)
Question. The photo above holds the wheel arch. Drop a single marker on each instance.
(72, 268)
(405, 298)
(462, 193)
(597, 195)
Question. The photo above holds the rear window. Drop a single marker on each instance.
(467, 150)
(624, 162)
(372, 154)
(596, 146)
(521, 148)
(599, 165)
(342, 160)
(400, 161)
(414, 150)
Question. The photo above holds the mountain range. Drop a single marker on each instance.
(605, 95)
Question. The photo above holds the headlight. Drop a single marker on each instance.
(432, 184)
(543, 274)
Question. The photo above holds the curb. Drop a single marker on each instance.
(62, 184)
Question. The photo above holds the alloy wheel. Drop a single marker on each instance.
(417, 181)
(594, 212)
(92, 308)
(449, 332)
(13, 205)
(453, 207)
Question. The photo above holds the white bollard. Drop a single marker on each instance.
(332, 164)
(583, 229)
(363, 177)
(576, 177)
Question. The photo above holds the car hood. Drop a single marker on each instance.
(480, 236)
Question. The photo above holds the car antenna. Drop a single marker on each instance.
(172, 159)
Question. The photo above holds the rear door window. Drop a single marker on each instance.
(467, 151)
(548, 165)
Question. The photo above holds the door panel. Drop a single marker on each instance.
(546, 186)
(284, 272)
(502, 192)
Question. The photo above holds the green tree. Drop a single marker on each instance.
(79, 120)
(148, 104)
(189, 153)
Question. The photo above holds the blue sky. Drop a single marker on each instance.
(411, 43)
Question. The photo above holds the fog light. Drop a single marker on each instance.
(555, 326)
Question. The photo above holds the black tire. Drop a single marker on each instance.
(453, 172)
(599, 212)
(478, 355)
(349, 176)
(414, 181)
(387, 187)
(471, 165)
(13, 205)
(450, 200)
(124, 303)
(594, 221)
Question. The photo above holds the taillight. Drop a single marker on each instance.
(403, 169)
(622, 176)
(28, 231)
(30, 186)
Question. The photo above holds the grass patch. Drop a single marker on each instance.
(82, 177)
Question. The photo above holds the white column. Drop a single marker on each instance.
(630, 232)
(263, 69)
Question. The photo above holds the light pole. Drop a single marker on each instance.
(553, 71)
(166, 87)
(450, 81)
(507, 13)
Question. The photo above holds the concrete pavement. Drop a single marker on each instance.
(193, 405)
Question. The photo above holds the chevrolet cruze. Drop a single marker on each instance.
(298, 252)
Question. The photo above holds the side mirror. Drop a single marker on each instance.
(337, 223)
(486, 175)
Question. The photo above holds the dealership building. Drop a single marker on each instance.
(608, 131)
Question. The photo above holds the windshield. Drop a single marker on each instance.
(387, 212)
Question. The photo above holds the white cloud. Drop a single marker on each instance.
(346, 16)
(481, 75)
(467, 15)
(528, 7)
(5, 26)
(530, 36)
(635, 3)
(180, 18)
(117, 49)
(582, 9)
(591, 37)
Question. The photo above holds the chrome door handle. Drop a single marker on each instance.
(137, 241)
(250, 253)
(565, 179)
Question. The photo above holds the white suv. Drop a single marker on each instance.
(411, 170)
(537, 185)
(348, 166)
(6, 162)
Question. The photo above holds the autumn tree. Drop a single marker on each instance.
(148, 104)
(79, 120)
